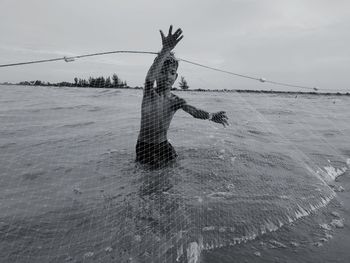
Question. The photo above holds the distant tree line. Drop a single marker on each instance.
(99, 82)
(116, 82)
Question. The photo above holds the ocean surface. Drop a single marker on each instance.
(70, 190)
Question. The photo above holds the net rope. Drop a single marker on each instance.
(72, 58)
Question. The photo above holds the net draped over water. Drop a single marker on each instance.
(71, 191)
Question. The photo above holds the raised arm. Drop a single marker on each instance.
(168, 43)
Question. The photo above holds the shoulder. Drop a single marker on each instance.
(177, 102)
(176, 98)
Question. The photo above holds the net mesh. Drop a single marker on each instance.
(71, 190)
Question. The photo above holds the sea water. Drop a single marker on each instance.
(70, 190)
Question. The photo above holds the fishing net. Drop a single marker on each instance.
(71, 190)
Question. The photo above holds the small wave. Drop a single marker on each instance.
(10, 133)
(7, 145)
(331, 133)
(58, 108)
(260, 132)
(266, 159)
(69, 107)
(48, 142)
(7, 101)
(275, 112)
(75, 125)
(106, 93)
(32, 175)
(333, 173)
(95, 109)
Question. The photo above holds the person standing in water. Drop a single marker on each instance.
(159, 106)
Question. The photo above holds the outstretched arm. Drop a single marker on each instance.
(218, 117)
(169, 42)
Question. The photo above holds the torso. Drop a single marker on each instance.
(156, 114)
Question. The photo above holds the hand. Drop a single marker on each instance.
(220, 117)
(170, 41)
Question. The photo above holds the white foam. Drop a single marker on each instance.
(221, 157)
(333, 173)
(326, 227)
(267, 226)
(277, 244)
(312, 207)
(193, 252)
(284, 197)
(301, 212)
(328, 236)
(270, 226)
(222, 229)
(231, 186)
(280, 224)
(335, 214)
(179, 253)
(208, 228)
(318, 244)
(294, 244)
(338, 223)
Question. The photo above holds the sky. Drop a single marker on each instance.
(302, 42)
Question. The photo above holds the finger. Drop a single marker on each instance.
(178, 40)
(170, 29)
(162, 34)
(178, 32)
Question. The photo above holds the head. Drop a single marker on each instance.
(168, 73)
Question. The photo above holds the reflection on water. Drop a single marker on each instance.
(158, 227)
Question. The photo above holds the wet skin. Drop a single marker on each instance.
(158, 108)
(159, 104)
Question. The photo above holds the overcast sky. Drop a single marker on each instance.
(302, 42)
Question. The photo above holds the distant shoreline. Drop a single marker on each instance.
(206, 90)
(273, 92)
